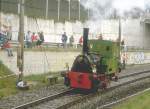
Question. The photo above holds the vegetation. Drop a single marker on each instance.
(138, 102)
(3, 70)
(8, 85)
(37, 9)
(41, 79)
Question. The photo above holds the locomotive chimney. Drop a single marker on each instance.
(85, 40)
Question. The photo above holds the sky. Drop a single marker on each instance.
(120, 5)
(100, 8)
(126, 5)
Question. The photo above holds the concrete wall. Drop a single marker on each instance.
(41, 62)
(133, 32)
(137, 57)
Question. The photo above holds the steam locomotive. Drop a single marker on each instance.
(96, 66)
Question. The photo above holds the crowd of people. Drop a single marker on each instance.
(34, 40)
(64, 39)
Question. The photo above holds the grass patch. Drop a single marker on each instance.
(4, 71)
(41, 79)
(141, 101)
(7, 85)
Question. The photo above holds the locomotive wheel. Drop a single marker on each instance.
(119, 70)
(94, 89)
(116, 78)
(104, 85)
(95, 85)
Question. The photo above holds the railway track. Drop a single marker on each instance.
(35, 102)
(109, 105)
(65, 100)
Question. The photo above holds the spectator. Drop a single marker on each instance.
(42, 37)
(81, 41)
(100, 37)
(122, 42)
(28, 39)
(8, 48)
(34, 40)
(2, 39)
(64, 40)
(71, 40)
(9, 33)
(38, 43)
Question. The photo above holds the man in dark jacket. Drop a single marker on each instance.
(64, 40)
(42, 37)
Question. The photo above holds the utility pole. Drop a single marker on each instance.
(20, 52)
(79, 11)
(88, 12)
(69, 10)
(46, 11)
(119, 38)
(58, 9)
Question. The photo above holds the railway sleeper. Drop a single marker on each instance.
(51, 79)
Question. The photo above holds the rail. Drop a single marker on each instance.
(68, 105)
(84, 97)
(33, 103)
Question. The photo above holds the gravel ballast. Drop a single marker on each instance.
(27, 96)
(116, 94)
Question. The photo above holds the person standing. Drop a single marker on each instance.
(81, 41)
(42, 37)
(38, 43)
(8, 48)
(71, 40)
(34, 40)
(9, 33)
(28, 39)
(64, 40)
(100, 37)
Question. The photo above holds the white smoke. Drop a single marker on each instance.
(98, 10)
(101, 9)
(127, 5)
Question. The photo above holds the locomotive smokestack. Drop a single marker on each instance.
(85, 40)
